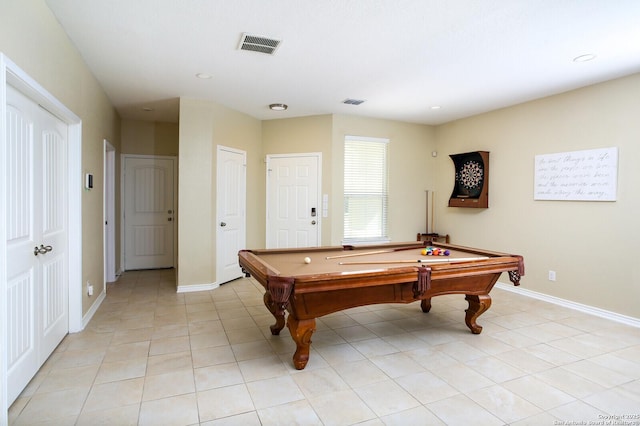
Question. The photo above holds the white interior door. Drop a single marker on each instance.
(231, 212)
(149, 212)
(293, 200)
(36, 237)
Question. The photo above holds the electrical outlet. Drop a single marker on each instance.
(89, 289)
(552, 275)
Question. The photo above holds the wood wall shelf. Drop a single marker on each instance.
(471, 183)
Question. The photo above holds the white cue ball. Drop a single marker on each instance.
(307, 260)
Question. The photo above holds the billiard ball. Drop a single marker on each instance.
(307, 260)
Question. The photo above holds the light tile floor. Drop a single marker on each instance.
(151, 356)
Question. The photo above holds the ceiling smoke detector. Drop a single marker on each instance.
(352, 101)
(256, 43)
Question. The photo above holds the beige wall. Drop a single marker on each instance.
(142, 138)
(298, 136)
(203, 126)
(149, 138)
(32, 38)
(592, 246)
(409, 161)
(411, 172)
(236, 130)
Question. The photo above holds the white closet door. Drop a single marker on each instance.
(37, 238)
(231, 212)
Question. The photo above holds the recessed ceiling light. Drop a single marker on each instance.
(278, 107)
(204, 75)
(147, 109)
(584, 58)
(436, 107)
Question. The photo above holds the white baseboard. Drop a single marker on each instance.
(592, 310)
(91, 312)
(197, 287)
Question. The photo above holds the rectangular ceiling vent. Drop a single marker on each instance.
(352, 101)
(256, 43)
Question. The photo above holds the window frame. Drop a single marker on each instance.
(383, 236)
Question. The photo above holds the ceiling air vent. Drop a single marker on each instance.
(352, 101)
(256, 43)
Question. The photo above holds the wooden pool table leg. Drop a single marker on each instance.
(301, 331)
(425, 304)
(477, 306)
(278, 314)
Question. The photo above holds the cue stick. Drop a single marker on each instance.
(427, 212)
(433, 212)
(364, 253)
(380, 262)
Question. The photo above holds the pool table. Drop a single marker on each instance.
(342, 277)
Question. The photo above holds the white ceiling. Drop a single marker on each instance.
(401, 56)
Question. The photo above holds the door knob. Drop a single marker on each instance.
(313, 222)
(41, 250)
(223, 224)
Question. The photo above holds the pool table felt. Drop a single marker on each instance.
(290, 262)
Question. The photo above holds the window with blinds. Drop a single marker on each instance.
(365, 189)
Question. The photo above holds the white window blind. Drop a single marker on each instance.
(365, 189)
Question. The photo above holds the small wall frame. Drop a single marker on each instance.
(471, 183)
